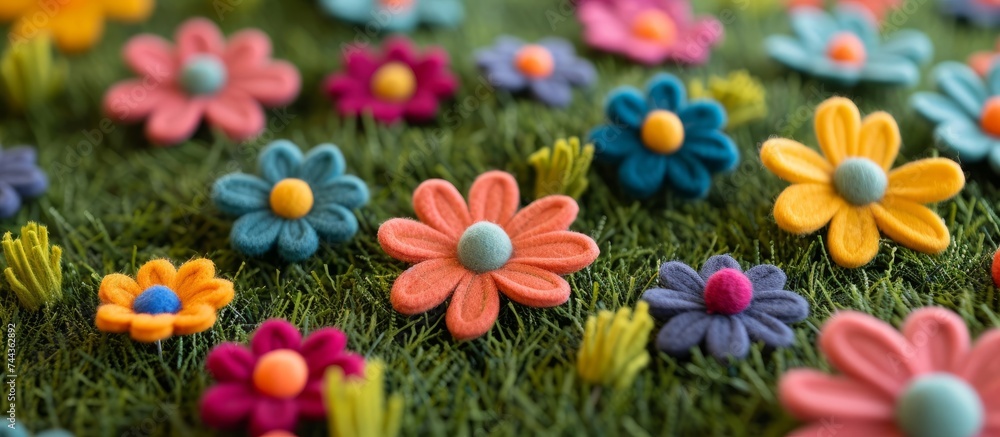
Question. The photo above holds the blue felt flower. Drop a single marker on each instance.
(978, 12)
(294, 203)
(549, 69)
(397, 15)
(662, 139)
(846, 48)
(966, 111)
(20, 179)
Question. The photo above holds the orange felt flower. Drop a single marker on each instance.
(472, 252)
(76, 25)
(162, 301)
(853, 188)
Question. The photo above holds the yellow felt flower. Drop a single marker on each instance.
(74, 24)
(853, 188)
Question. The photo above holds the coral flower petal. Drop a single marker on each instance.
(868, 350)
(939, 339)
(805, 208)
(426, 285)
(794, 162)
(812, 395)
(237, 113)
(912, 225)
(156, 272)
(926, 181)
(439, 204)
(531, 286)
(412, 241)
(199, 36)
(119, 290)
(981, 367)
(474, 307)
(548, 214)
(837, 127)
(272, 85)
(853, 236)
(859, 429)
(494, 197)
(132, 100)
(151, 56)
(561, 252)
(175, 120)
(247, 50)
(879, 139)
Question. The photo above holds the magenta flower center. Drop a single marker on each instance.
(728, 292)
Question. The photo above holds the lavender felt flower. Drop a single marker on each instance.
(723, 306)
(549, 70)
(20, 178)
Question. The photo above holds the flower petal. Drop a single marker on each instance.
(823, 428)
(194, 319)
(151, 56)
(310, 401)
(255, 233)
(114, 318)
(74, 30)
(156, 272)
(474, 307)
(444, 13)
(129, 10)
(275, 334)
(348, 191)
(965, 139)
(879, 139)
(531, 286)
(612, 144)
(247, 50)
(981, 366)
(964, 86)
(237, 114)
(666, 91)
(333, 223)
(642, 173)
(554, 91)
(548, 214)
(813, 26)
(926, 180)
(766, 277)
(702, 115)
(890, 70)
(131, 101)
(837, 126)
(911, 44)
(727, 338)
(322, 348)
(911, 225)
(275, 84)
(716, 263)
(811, 395)
(174, 119)
(687, 176)
(148, 328)
(214, 292)
(783, 305)
(853, 236)
(868, 350)
(238, 194)
(560, 252)
(279, 160)
(227, 406)
(324, 163)
(414, 242)
(938, 338)
(494, 197)
(297, 241)
(273, 414)
(12, 9)
(626, 108)
(766, 328)
(794, 162)
(664, 303)
(805, 208)
(198, 36)
(230, 362)
(191, 275)
(426, 285)
(119, 289)
(683, 332)
(938, 108)
(714, 149)
(676, 275)
(10, 201)
(438, 204)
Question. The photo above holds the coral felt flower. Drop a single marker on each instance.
(203, 76)
(397, 15)
(162, 301)
(925, 380)
(878, 8)
(548, 70)
(853, 188)
(724, 307)
(277, 380)
(20, 179)
(966, 110)
(649, 31)
(76, 25)
(472, 252)
(983, 61)
(296, 202)
(664, 140)
(846, 48)
(397, 83)
(983, 13)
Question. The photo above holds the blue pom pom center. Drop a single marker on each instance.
(203, 74)
(157, 299)
(860, 180)
(940, 405)
(484, 246)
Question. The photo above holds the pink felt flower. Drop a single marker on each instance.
(392, 84)
(275, 381)
(649, 31)
(927, 380)
(878, 8)
(203, 76)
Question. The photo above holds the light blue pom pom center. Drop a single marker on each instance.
(940, 405)
(157, 299)
(484, 246)
(203, 74)
(860, 181)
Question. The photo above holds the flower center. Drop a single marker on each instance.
(655, 26)
(990, 118)
(291, 198)
(281, 373)
(534, 61)
(860, 181)
(157, 299)
(662, 132)
(396, 5)
(484, 246)
(846, 48)
(394, 82)
(939, 405)
(728, 291)
(203, 74)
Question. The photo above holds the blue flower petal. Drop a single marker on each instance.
(959, 82)
(323, 163)
(766, 277)
(279, 160)
(814, 27)
(681, 278)
(333, 223)
(688, 176)
(27, 179)
(553, 91)
(642, 173)
(626, 108)
(255, 233)
(238, 194)
(714, 149)
(964, 139)
(702, 115)
(993, 79)
(347, 191)
(445, 13)
(890, 70)
(10, 201)
(666, 303)
(995, 158)
(402, 20)
(683, 332)
(727, 338)
(910, 44)
(859, 21)
(666, 91)
(506, 77)
(351, 10)
(784, 305)
(613, 143)
(297, 241)
(767, 329)
(578, 72)
(938, 108)
(561, 49)
(18, 156)
(716, 263)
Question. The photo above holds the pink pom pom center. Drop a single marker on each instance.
(728, 292)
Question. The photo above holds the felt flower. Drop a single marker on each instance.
(724, 307)
(982, 61)
(294, 203)
(983, 13)
(649, 31)
(878, 8)
(20, 179)
(853, 188)
(397, 15)
(966, 110)
(926, 380)
(76, 25)
(275, 381)
(664, 140)
(846, 49)
(162, 301)
(548, 70)
(203, 76)
(473, 251)
(394, 84)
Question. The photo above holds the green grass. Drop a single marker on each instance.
(116, 203)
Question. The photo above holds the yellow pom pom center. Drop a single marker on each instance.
(663, 132)
(655, 26)
(291, 198)
(281, 373)
(394, 82)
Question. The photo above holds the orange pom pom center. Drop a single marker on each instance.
(655, 26)
(663, 132)
(396, 5)
(282, 373)
(846, 48)
(291, 198)
(534, 61)
(990, 120)
(394, 82)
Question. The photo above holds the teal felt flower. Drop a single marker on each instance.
(294, 203)
(966, 112)
(397, 15)
(846, 48)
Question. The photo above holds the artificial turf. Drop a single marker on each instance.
(116, 203)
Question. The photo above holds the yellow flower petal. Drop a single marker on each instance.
(837, 128)
(794, 162)
(118, 289)
(114, 318)
(77, 29)
(927, 180)
(804, 208)
(156, 272)
(853, 236)
(128, 10)
(879, 139)
(11, 9)
(194, 319)
(911, 225)
(149, 327)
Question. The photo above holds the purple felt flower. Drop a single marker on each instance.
(20, 178)
(549, 70)
(723, 306)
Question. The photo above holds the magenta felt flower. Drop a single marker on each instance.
(649, 31)
(395, 83)
(203, 76)
(275, 381)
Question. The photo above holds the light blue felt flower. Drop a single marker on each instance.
(294, 203)
(966, 111)
(978, 12)
(664, 140)
(397, 15)
(846, 48)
